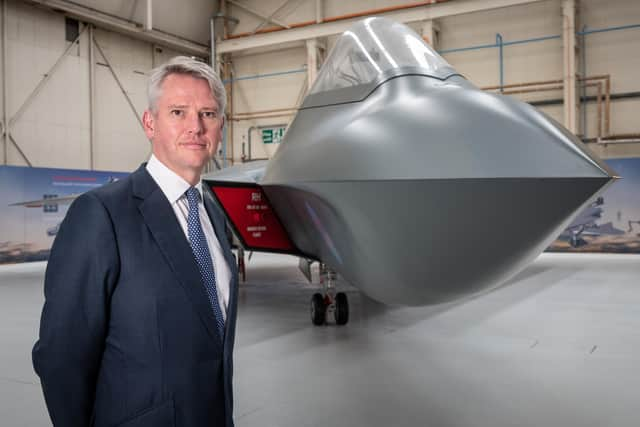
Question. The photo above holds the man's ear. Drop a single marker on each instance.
(222, 122)
(148, 123)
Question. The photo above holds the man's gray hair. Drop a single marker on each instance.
(188, 66)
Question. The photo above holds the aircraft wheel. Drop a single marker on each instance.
(342, 309)
(318, 310)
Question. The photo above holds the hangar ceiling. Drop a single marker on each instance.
(190, 22)
(184, 28)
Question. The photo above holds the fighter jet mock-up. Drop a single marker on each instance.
(407, 180)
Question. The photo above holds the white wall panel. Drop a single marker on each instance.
(526, 62)
(31, 53)
(120, 141)
(616, 53)
(268, 93)
(47, 131)
(163, 54)
(479, 66)
(36, 40)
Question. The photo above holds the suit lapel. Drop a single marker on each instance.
(165, 228)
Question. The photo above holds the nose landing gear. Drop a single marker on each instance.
(329, 303)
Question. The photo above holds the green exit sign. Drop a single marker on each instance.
(272, 135)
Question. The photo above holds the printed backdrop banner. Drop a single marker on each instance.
(612, 222)
(33, 203)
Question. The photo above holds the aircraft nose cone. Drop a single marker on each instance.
(426, 192)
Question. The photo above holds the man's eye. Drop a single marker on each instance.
(209, 114)
(177, 113)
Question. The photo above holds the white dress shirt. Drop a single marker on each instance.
(174, 187)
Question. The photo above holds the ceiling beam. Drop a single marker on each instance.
(299, 34)
(119, 25)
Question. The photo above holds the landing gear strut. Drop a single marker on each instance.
(330, 302)
(242, 271)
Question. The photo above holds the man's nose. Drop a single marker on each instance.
(194, 123)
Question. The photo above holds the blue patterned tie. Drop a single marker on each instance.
(200, 249)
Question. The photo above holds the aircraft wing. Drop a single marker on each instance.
(248, 173)
(63, 200)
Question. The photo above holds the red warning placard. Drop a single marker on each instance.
(253, 218)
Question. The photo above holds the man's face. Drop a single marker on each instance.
(187, 127)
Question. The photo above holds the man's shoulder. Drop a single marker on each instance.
(113, 190)
(111, 203)
(113, 195)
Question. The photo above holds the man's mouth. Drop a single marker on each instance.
(194, 144)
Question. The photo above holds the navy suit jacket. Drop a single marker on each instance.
(127, 336)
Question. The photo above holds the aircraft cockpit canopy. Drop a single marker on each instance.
(367, 54)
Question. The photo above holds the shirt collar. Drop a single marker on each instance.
(172, 185)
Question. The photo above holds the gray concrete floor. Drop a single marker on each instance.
(559, 346)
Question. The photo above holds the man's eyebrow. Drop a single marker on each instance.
(208, 107)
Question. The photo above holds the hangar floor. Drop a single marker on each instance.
(560, 346)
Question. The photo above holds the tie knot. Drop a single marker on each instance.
(193, 196)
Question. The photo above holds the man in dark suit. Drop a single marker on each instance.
(139, 318)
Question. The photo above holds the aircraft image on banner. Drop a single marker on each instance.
(584, 225)
(396, 170)
(51, 203)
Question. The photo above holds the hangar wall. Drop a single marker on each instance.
(54, 129)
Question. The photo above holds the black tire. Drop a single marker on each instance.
(342, 309)
(318, 310)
